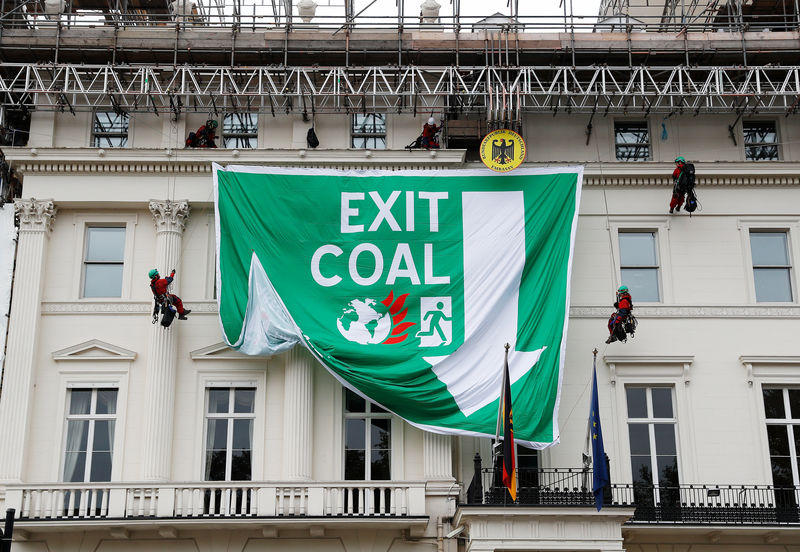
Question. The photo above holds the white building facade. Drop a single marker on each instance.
(120, 435)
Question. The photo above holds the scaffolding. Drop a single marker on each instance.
(687, 56)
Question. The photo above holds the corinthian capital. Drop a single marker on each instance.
(35, 214)
(170, 216)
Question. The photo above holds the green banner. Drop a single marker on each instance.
(406, 285)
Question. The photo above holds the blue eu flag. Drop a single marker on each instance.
(600, 469)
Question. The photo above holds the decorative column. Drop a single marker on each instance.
(437, 456)
(298, 395)
(170, 218)
(35, 225)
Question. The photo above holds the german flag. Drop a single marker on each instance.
(509, 458)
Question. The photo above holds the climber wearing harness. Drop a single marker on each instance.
(677, 189)
(204, 137)
(162, 297)
(429, 131)
(622, 321)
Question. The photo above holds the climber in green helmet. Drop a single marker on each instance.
(619, 323)
(677, 190)
(159, 286)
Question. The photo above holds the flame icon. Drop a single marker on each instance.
(398, 326)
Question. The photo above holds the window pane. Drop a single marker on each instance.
(632, 141)
(218, 401)
(761, 153)
(769, 248)
(102, 280)
(106, 401)
(80, 401)
(353, 402)
(778, 440)
(667, 471)
(662, 402)
(642, 282)
(637, 249)
(242, 434)
(217, 437)
(103, 435)
(375, 409)
(637, 402)
(760, 140)
(794, 403)
(782, 471)
(77, 435)
(633, 153)
(665, 439)
(101, 467)
(74, 466)
(354, 465)
(773, 403)
(380, 433)
(379, 470)
(244, 400)
(105, 244)
(772, 285)
(640, 439)
(641, 470)
(215, 465)
(354, 434)
(241, 465)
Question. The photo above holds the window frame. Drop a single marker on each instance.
(92, 417)
(656, 267)
(354, 134)
(223, 375)
(785, 422)
(658, 225)
(230, 417)
(791, 226)
(82, 222)
(367, 415)
(616, 143)
(761, 145)
(240, 136)
(788, 267)
(650, 421)
(94, 135)
(85, 262)
(648, 371)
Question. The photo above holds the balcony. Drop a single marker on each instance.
(728, 505)
(115, 504)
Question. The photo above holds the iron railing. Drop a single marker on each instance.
(663, 504)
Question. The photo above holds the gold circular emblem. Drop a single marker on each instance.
(502, 150)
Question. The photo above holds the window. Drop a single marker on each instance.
(771, 267)
(632, 141)
(639, 265)
(782, 413)
(89, 448)
(369, 131)
(367, 438)
(110, 130)
(230, 414)
(760, 140)
(240, 130)
(103, 261)
(654, 453)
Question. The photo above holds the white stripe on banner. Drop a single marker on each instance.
(494, 257)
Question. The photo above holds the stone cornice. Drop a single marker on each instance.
(34, 214)
(654, 311)
(198, 161)
(152, 160)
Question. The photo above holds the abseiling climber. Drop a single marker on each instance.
(683, 186)
(622, 321)
(167, 302)
(429, 132)
(204, 137)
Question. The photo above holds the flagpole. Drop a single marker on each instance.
(587, 458)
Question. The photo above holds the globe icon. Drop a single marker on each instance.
(361, 323)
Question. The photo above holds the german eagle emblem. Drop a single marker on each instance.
(502, 152)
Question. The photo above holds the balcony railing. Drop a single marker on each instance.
(98, 501)
(663, 504)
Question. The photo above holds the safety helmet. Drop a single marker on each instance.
(680, 159)
(211, 123)
(622, 289)
(153, 273)
(431, 121)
